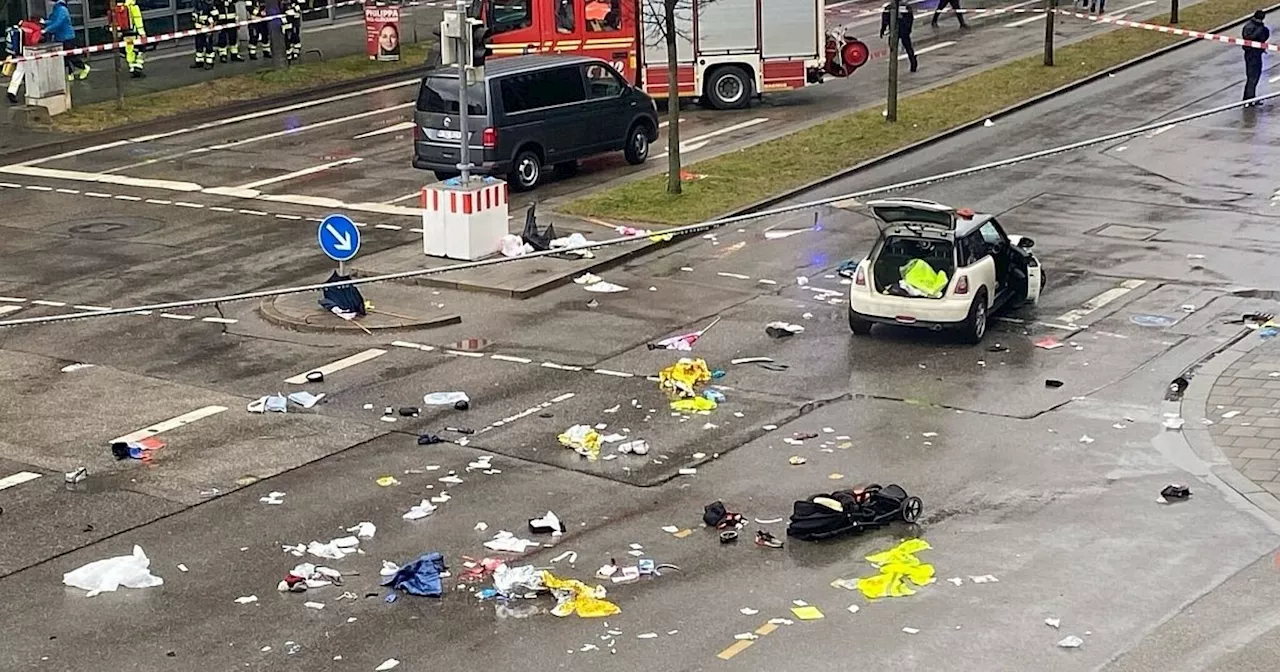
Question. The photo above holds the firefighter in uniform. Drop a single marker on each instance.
(203, 18)
(259, 31)
(229, 37)
(128, 20)
(292, 29)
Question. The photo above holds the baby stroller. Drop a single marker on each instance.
(852, 511)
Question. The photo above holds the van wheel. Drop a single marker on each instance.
(443, 175)
(728, 88)
(527, 171)
(637, 150)
(858, 325)
(566, 169)
(975, 325)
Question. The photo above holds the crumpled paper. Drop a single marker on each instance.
(521, 581)
(683, 377)
(583, 440)
(575, 597)
(105, 576)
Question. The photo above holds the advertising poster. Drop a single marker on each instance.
(382, 31)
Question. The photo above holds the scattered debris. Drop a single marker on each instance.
(1230, 414)
(447, 399)
(897, 566)
(548, 524)
(1070, 642)
(1052, 622)
(274, 403)
(683, 378)
(274, 497)
(387, 664)
(853, 609)
(1172, 422)
(583, 439)
(313, 605)
(421, 510)
(782, 329)
(1085, 438)
(571, 556)
(746, 636)
(71, 368)
(481, 526)
(748, 611)
(107, 575)
(796, 460)
(1174, 491)
(768, 540)
(507, 542)
(915, 631)
(1053, 383)
(807, 613)
(1048, 343)
(420, 577)
(248, 599)
(574, 597)
(387, 481)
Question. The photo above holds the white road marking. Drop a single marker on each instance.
(175, 316)
(698, 141)
(346, 362)
(185, 204)
(932, 47)
(283, 216)
(227, 121)
(460, 353)
(388, 227)
(1023, 22)
(126, 197)
(67, 191)
(219, 208)
(310, 127)
(417, 231)
(159, 201)
(42, 302)
(510, 358)
(1073, 316)
(1273, 80)
(36, 187)
(219, 320)
(253, 212)
(97, 194)
(394, 128)
(401, 199)
(414, 346)
(300, 173)
(10, 185)
(615, 374)
(91, 308)
(12, 299)
(1162, 129)
(5, 310)
(173, 423)
(18, 479)
(561, 367)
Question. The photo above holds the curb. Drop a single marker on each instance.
(271, 315)
(947, 134)
(195, 117)
(1196, 433)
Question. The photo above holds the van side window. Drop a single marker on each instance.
(542, 88)
(603, 82)
(564, 16)
(604, 16)
(511, 15)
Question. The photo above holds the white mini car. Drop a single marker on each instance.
(985, 269)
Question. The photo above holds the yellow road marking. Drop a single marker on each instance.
(738, 647)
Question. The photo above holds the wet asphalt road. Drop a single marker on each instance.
(1069, 528)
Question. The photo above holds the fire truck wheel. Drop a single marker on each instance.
(728, 88)
(526, 170)
(637, 149)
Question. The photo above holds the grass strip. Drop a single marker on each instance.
(737, 179)
(236, 88)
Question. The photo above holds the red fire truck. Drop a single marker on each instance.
(729, 51)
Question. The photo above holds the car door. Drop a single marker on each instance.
(998, 247)
(546, 107)
(978, 265)
(610, 109)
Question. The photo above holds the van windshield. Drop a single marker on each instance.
(440, 95)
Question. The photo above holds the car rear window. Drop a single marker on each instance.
(440, 95)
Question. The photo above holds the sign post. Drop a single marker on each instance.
(382, 30)
(339, 239)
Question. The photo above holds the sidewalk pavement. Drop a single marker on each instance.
(1248, 390)
(169, 66)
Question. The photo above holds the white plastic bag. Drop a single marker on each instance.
(101, 576)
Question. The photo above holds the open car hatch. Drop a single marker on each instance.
(914, 214)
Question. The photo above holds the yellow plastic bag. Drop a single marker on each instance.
(920, 276)
(693, 405)
(898, 567)
(575, 597)
(582, 439)
(683, 377)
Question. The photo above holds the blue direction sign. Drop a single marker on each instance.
(339, 237)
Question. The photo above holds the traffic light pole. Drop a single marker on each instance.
(464, 54)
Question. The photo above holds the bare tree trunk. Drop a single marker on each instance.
(673, 98)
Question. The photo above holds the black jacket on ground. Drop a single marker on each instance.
(905, 18)
(1256, 31)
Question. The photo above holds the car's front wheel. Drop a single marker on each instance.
(858, 325)
(975, 325)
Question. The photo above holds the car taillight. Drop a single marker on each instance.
(860, 278)
(962, 285)
(489, 138)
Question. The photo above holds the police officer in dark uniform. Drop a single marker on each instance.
(906, 18)
(1254, 31)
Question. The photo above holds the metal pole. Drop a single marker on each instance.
(891, 110)
(1173, 11)
(342, 269)
(1050, 10)
(464, 57)
(115, 62)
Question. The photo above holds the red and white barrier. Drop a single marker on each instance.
(464, 222)
(1180, 32)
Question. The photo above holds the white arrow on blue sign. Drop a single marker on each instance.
(339, 237)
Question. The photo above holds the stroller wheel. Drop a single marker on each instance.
(911, 508)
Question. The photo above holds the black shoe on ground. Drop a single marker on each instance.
(222, 59)
(238, 58)
(253, 57)
(197, 65)
(208, 66)
(137, 74)
(13, 99)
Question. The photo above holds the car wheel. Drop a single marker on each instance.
(527, 171)
(911, 508)
(858, 325)
(728, 88)
(637, 150)
(443, 175)
(975, 326)
(566, 169)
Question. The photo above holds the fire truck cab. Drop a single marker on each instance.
(728, 51)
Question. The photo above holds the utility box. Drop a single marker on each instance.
(46, 78)
(464, 222)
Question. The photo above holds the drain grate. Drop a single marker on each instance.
(1126, 232)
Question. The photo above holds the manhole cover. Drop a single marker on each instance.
(108, 228)
(1126, 232)
(1153, 320)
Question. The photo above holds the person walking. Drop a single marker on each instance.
(13, 67)
(229, 37)
(131, 29)
(57, 27)
(955, 6)
(202, 19)
(1254, 31)
(260, 30)
(906, 18)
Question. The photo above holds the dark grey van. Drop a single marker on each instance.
(531, 112)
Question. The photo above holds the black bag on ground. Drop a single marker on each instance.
(811, 521)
